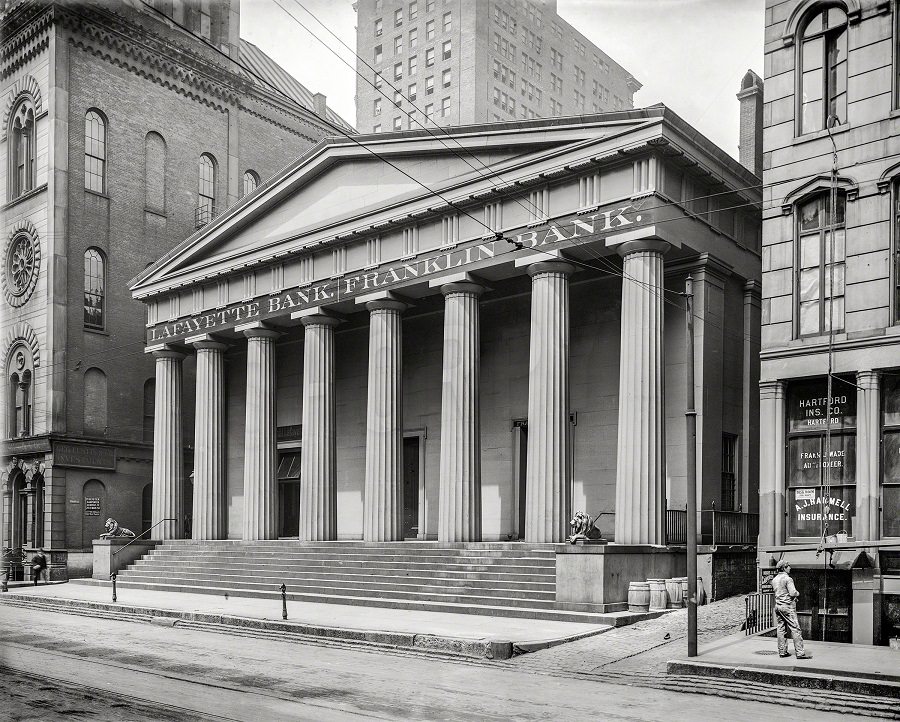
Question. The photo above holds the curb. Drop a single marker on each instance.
(457, 646)
(808, 680)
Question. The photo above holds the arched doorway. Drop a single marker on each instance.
(93, 510)
(19, 511)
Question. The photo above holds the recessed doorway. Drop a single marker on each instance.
(411, 469)
(289, 493)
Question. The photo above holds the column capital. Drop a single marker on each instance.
(206, 341)
(386, 304)
(549, 266)
(771, 389)
(321, 319)
(645, 244)
(167, 352)
(752, 289)
(467, 287)
(257, 330)
(868, 380)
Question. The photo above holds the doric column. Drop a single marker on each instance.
(383, 503)
(318, 483)
(260, 487)
(547, 488)
(868, 437)
(459, 513)
(771, 463)
(209, 441)
(168, 450)
(641, 455)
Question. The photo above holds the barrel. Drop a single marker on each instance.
(659, 599)
(673, 588)
(638, 597)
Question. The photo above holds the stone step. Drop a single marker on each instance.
(435, 593)
(493, 607)
(351, 555)
(417, 546)
(365, 571)
(357, 564)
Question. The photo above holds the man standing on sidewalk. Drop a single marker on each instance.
(786, 611)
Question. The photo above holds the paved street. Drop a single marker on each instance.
(234, 677)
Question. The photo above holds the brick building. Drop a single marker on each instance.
(124, 130)
(830, 361)
(457, 62)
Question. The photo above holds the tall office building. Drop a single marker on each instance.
(454, 62)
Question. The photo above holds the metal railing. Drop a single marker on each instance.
(759, 613)
(717, 527)
(676, 526)
(146, 531)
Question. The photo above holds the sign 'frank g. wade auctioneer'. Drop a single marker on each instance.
(559, 234)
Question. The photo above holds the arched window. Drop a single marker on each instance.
(94, 288)
(94, 152)
(95, 420)
(149, 409)
(20, 377)
(20, 136)
(155, 172)
(206, 190)
(251, 182)
(820, 268)
(823, 69)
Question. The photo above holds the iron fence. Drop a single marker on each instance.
(759, 611)
(676, 526)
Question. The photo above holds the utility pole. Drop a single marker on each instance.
(690, 414)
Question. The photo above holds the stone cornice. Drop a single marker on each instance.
(26, 35)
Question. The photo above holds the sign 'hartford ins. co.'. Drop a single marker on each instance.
(384, 278)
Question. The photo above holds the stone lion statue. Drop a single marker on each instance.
(114, 530)
(583, 528)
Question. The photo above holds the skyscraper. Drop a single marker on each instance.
(454, 62)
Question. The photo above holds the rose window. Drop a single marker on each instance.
(22, 265)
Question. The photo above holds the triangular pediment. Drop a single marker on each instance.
(374, 180)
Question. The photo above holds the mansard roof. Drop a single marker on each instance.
(356, 187)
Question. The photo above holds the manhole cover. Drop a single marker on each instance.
(765, 651)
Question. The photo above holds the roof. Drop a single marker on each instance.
(272, 73)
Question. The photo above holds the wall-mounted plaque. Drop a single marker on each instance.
(84, 456)
(91, 506)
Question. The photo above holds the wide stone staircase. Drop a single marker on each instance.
(500, 579)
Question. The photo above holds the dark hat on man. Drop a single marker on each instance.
(782, 563)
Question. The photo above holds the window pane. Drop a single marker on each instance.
(834, 280)
(810, 508)
(809, 215)
(814, 26)
(841, 461)
(809, 251)
(813, 55)
(891, 402)
(809, 317)
(809, 285)
(891, 466)
(839, 245)
(890, 504)
(838, 316)
(804, 461)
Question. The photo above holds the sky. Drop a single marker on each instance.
(688, 54)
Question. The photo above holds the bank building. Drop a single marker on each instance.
(457, 340)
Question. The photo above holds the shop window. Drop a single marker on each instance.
(890, 466)
(821, 459)
(94, 288)
(820, 265)
(20, 136)
(94, 152)
(823, 70)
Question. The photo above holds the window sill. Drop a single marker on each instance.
(96, 331)
(816, 135)
(96, 193)
(25, 196)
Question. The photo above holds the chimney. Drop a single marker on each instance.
(751, 137)
(319, 102)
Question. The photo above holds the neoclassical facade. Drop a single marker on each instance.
(103, 168)
(461, 337)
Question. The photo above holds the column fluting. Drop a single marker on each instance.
(641, 450)
(383, 503)
(260, 486)
(868, 443)
(168, 449)
(547, 485)
(318, 481)
(771, 463)
(459, 512)
(209, 442)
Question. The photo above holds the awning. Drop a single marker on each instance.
(828, 559)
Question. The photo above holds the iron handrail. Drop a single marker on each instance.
(142, 534)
